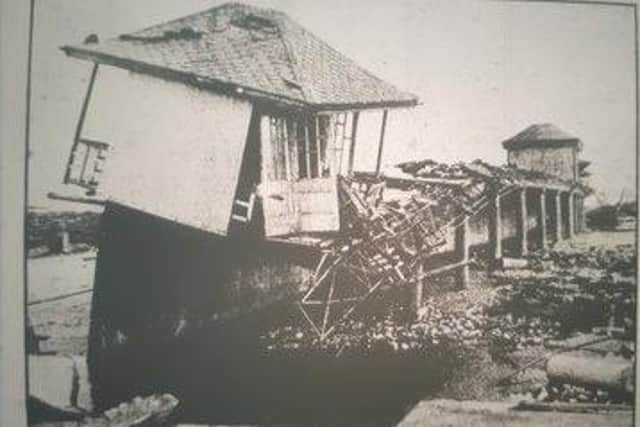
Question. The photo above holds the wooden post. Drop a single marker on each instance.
(583, 225)
(352, 146)
(318, 147)
(307, 148)
(383, 128)
(571, 214)
(542, 219)
(462, 251)
(523, 222)
(559, 231)
(495, 228)
(78, 134)
(580, 218)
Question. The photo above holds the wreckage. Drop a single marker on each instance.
(230, 159)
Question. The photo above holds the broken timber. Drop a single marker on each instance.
(380, 244)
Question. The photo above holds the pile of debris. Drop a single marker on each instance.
(382, 242)
(391, 224)
(569, 293)
(579, 308)
(392, 329)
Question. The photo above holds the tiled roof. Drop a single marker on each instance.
(545, 133)
(258, 50)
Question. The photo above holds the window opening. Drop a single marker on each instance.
(310, 146)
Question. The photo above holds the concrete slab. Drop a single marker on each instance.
(441, 413)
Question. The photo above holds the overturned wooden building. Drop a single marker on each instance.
(217, 141)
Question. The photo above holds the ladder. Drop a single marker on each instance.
(245, 208)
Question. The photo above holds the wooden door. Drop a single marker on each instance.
(298, 191)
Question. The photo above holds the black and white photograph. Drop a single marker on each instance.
(330, 213)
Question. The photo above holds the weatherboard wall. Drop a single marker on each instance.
(176, 150)
(554, 161)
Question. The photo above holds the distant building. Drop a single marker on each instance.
(545, 148)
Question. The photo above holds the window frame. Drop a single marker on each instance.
(308, 146)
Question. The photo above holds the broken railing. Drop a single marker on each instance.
(386, 243)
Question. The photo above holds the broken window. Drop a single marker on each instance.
(310, 146)
(86, 163)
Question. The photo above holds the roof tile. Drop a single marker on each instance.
(256, 48)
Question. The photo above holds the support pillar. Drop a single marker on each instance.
(495, 228)
(462, 251)
(583, 224)
(542, 220)
(571, 214)
(522, 222)
(559, 231)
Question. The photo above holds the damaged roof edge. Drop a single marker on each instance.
(228, 88)
(517, 144)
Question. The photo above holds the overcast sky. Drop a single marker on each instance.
(483, 71)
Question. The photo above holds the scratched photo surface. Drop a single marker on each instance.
(317, 213)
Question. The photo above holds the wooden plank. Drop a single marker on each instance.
(93, 143)
(419, 285)
(442, 270)
(83, 114)
(273, 142)
(327, 310)
(383, 128)
(265, 150)
(462, 250)
(284, 142)
(495, 227)
(292, 148)
(85, 200)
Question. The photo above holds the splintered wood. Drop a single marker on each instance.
(385, 241)
(380, 243)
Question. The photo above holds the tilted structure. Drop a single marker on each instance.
(226, 107)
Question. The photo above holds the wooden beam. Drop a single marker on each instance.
(442, 270)
(462, 251)
(419, 285)
(76, 199)
(283, 136)
(383, 128)
(352, 145)
(583, 225)
(495, 227)
(80, 124)
(316, 121)
(307, 147)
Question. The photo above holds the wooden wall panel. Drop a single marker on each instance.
(177, 150)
